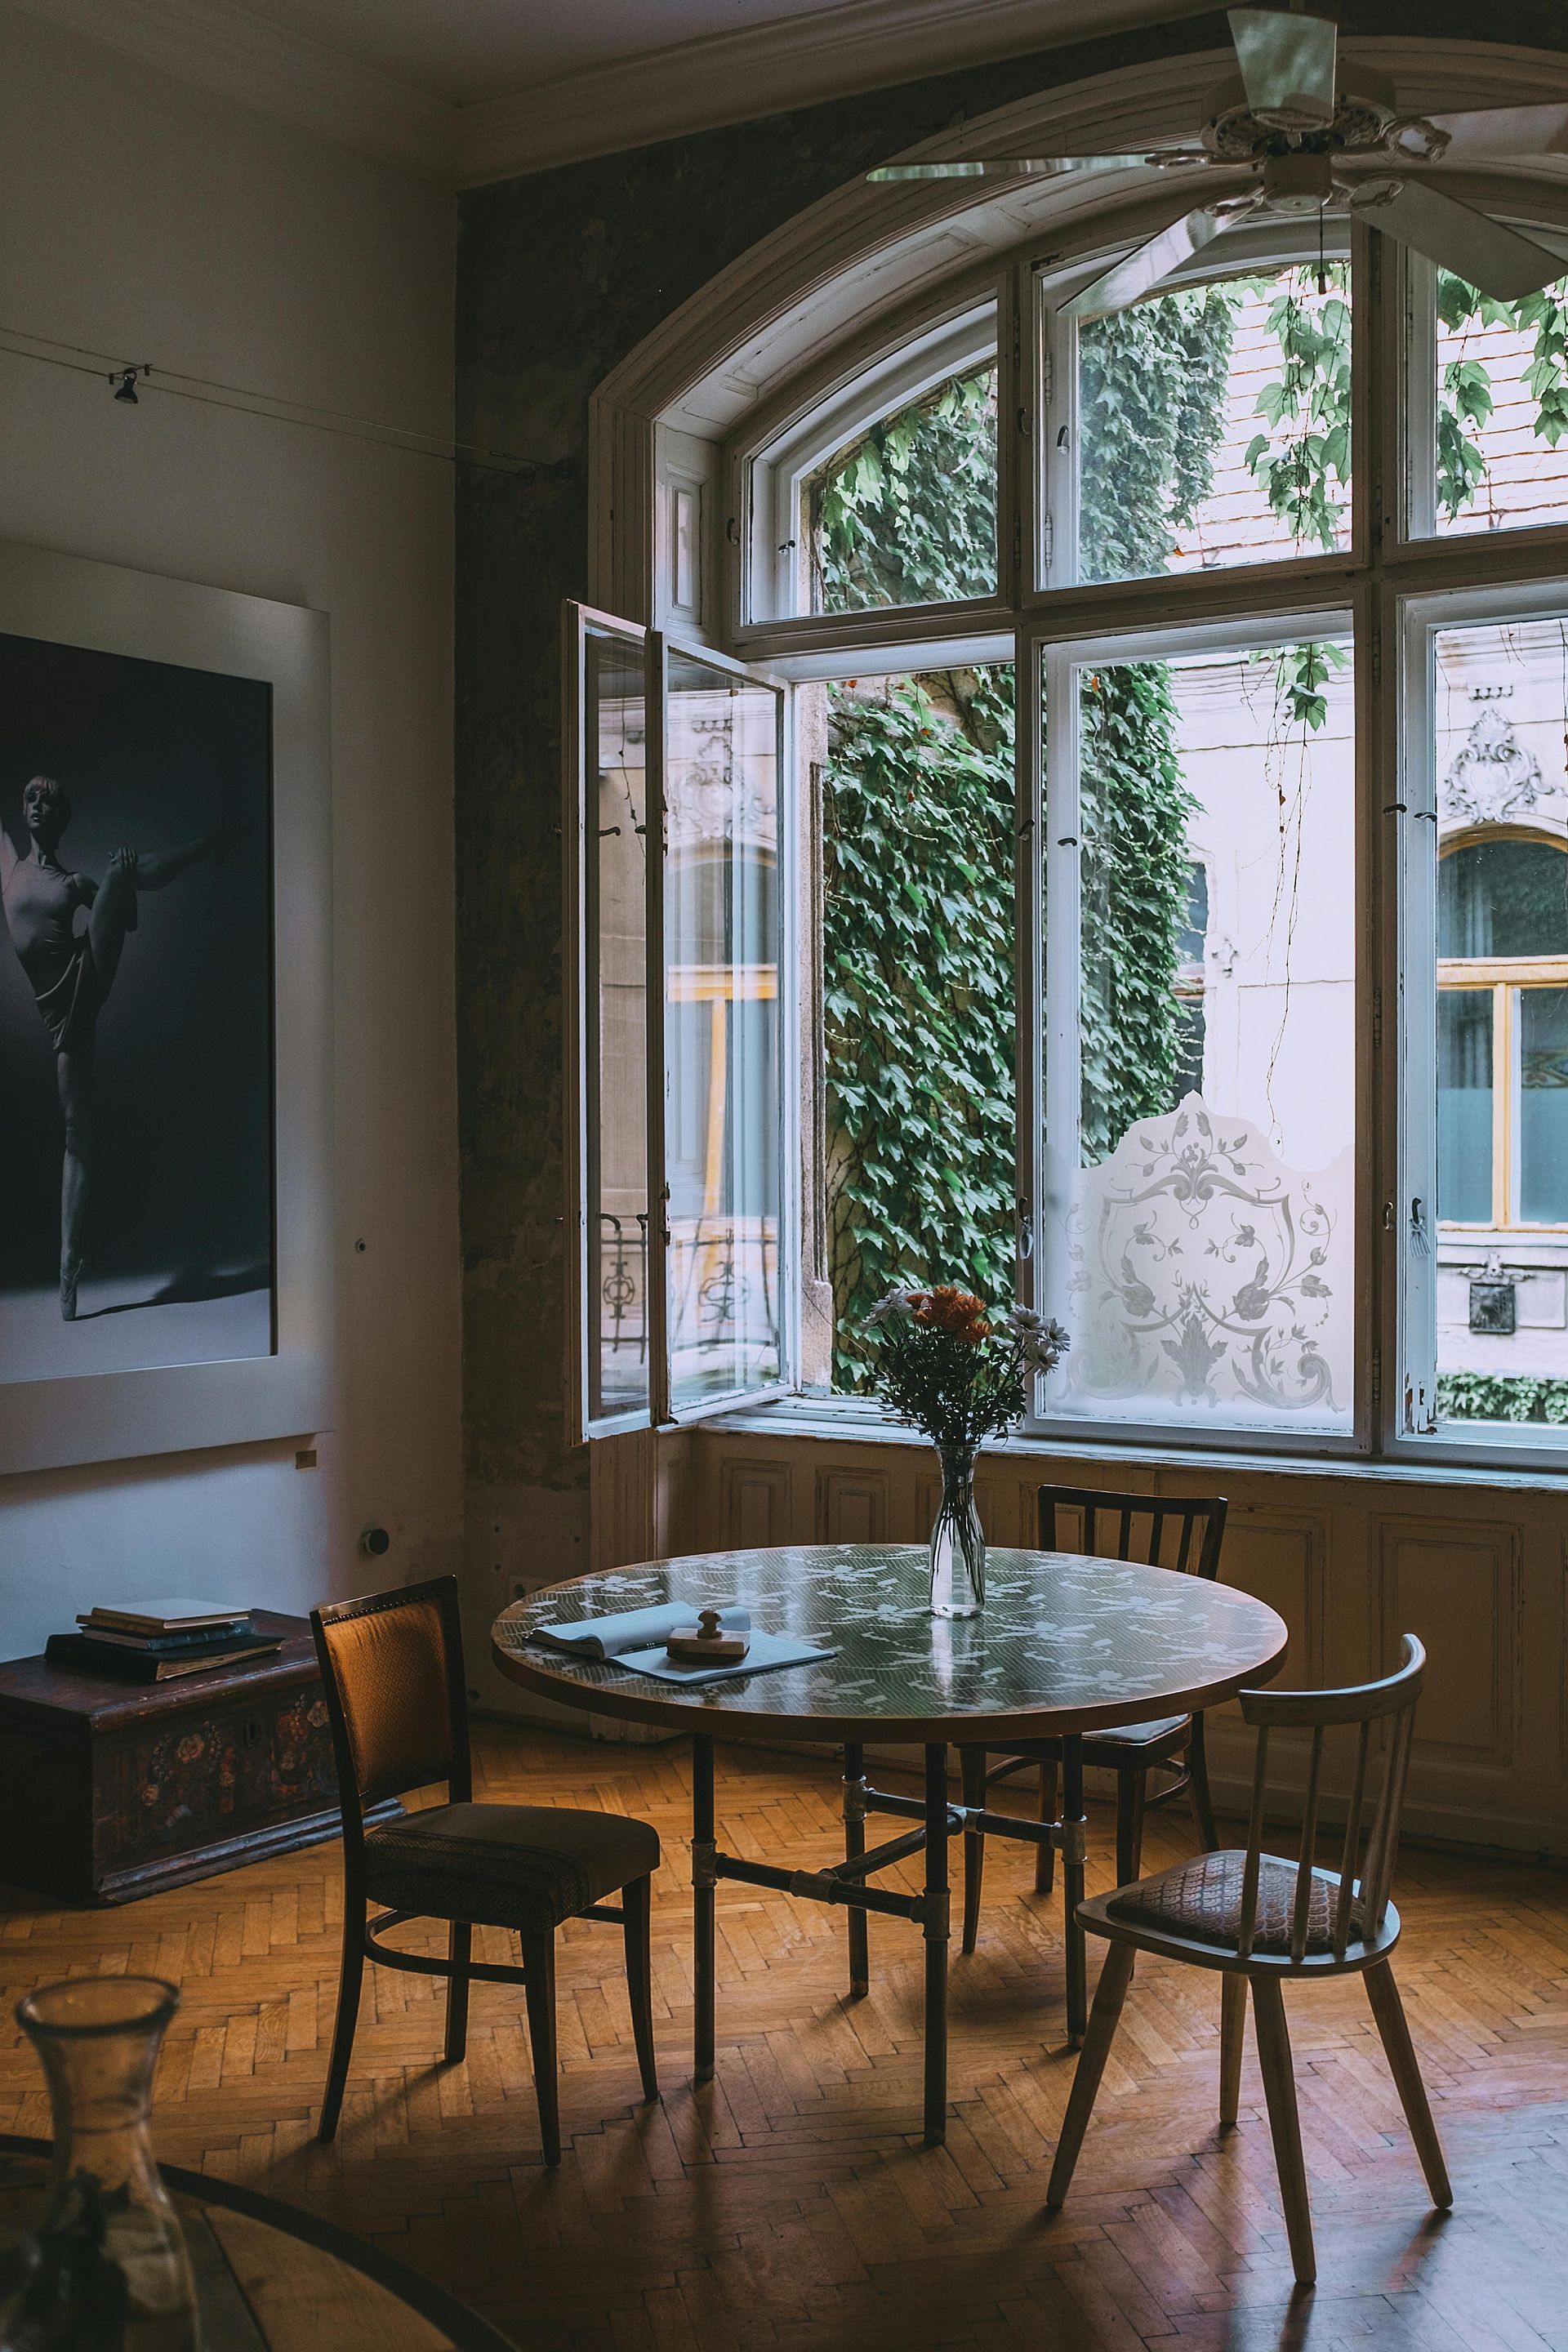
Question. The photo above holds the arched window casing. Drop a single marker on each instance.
(1283, 661)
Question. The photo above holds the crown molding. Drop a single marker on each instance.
(226, 49)
(767, 68)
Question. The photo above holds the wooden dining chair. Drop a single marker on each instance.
(1259, 1921)
(392, 1669)
(1160, 1531)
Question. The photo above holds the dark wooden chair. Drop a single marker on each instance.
(1162, 1532)
(1259, 1921)
(392, 1668)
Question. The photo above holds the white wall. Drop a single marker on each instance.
(146, 220)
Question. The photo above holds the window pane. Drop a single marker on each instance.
(1502, 415)
(919, 1148)
(1503, 898)
(616, 726)
(1501, 1306)
(1543, 1106)
(1200, 1181)
(1213, 426)
(906, 512)
(721, 1031)
(1465, 1106)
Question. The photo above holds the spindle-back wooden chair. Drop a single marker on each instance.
(1259, 1920)
(1183, 1533)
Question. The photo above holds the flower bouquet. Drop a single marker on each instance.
(946, 1365)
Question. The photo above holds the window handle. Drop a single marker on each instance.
(1420, 1241)
(1024, 1226)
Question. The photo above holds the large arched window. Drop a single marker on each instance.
(1172, 804)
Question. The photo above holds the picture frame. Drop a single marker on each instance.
(277, 1382)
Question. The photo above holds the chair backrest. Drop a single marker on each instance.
(1366, 1873)
(1162, 1530)
(392, 1669)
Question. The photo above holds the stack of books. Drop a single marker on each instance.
(154, 1641)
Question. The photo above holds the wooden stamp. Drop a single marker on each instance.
(704, 1642)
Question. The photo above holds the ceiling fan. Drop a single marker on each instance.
(1294, 115)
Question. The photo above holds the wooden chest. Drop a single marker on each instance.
(111, 1789)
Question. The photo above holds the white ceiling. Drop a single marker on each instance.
(469, 50)
(470, 90)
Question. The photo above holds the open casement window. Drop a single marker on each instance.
(674, 885)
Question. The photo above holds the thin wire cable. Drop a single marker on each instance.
(277, 408)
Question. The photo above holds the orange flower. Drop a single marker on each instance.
(948, 1309)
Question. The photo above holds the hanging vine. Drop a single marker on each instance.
(1465, 390)
(1302, 461)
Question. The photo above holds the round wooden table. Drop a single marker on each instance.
(1065, 1643)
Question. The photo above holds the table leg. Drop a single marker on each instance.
(1074, 1837)
(937, 1907)
(703, 1881)
(854, 1846)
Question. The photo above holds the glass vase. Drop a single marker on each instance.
(107, 2269)
(958, 1539)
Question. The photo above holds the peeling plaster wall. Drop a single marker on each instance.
(560, 276)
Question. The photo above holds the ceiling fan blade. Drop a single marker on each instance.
(1287, 66)
(1503, 133)
(1022, 167)
(1480, 250)
(1140, 272)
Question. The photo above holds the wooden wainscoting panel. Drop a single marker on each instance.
(674, 1493)
(622, 1480)
(1456, 1585)
(1282, 1558)
(754, 1504)
(852, 1506)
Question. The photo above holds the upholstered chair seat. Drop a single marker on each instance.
(1200, 1901)
(505, 1866)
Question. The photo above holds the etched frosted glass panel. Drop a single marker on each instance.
(1465, 1106)
(1213, 426)
(1200, 1185)
(1502, 409)
(905, 513)
(721, 1031)
(616, 741)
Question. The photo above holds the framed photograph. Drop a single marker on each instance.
(165, 1015)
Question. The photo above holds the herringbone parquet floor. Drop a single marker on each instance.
(791, 2203)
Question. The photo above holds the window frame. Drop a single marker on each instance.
(1040, 649)
(1531, 594)
(1390, 566)
(582, 1070)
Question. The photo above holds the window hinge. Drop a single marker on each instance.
(1377, 657)
(1376, 1378)
(1047, 540)
(1377, 1016)
(1048, 378)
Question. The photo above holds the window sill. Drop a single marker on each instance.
(846, 1421)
